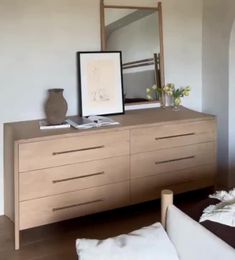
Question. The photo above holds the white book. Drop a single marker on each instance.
(44, 125)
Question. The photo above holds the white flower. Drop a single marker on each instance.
(177, 101)
(186, 91)
(168, 90)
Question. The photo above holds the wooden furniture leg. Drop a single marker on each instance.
(166, 200)
(17, 238)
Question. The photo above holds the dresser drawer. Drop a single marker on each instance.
(61, 151)
(171, 135)
(73, 204)
(149, 188)
(168, 160)
(51, 181)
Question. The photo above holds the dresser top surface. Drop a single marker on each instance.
(131, 119)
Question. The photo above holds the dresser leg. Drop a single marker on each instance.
(17, 239)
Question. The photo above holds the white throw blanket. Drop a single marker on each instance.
(223, 212)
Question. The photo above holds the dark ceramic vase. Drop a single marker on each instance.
(56, 106)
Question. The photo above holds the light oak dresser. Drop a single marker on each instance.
(53, 175)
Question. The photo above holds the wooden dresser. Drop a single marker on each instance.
(53, 175)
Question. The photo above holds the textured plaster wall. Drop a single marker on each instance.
(232, 108)
(218, 18)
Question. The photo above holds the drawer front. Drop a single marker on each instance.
(61, 151)
(172, 135)
(73, 204)
(149, 188)
(169, 160)
(51, 181)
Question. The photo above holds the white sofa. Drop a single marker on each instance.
(182, 239)
(191, 240)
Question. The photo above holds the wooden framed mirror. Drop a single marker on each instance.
(137, 32)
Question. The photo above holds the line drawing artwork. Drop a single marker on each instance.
(100, 94)
(101, 89)
(100, 81)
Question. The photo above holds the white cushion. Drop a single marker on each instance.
(147, 243)
(194, 242)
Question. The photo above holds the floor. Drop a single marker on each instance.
(57, 241)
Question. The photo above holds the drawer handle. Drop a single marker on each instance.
(176, 160)
(79, 150)
(173, 136)
(78, 177)
(77, 205)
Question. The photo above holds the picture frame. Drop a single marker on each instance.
(100, 83)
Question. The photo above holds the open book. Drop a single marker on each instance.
(91, 121)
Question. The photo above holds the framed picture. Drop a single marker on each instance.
(100, 83)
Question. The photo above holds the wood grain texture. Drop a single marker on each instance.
(149, 188)
(61, 151)
(28, 131)
(130, 7)
(69, 205)
(161, 38)
(51, 181)
(102, 27)
(61, 174)
(16, 196)
(8, 172)
(172, 160)
(172, 135)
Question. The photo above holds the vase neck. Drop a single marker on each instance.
(56, 91)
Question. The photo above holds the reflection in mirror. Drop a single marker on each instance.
(136, 33)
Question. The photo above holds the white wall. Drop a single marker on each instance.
(182, 26)
(38, 43)
(39, 40)
(217, 23)
(232, 108)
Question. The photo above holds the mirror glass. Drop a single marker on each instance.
(135, 32)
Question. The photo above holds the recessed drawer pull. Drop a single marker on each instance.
(78, 177)
(176, 160)
(79, 150)
(77, 205)
(173, 136)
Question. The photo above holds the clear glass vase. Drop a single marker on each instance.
(162, 99)
(176, 103)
